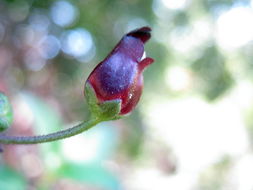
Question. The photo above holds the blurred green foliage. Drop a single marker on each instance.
(11, 180)
(6, 115)
(215, 78)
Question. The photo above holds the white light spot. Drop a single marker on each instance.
(77, 42)
(175, 4)
(144, 55)
(63, 13)
(241, 175)
(81, 148)
(195, 130)
(235, 28)
(88, 56)
(91, 147)
(178, 78)
(187, 39)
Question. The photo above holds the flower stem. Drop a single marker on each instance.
(50, 137)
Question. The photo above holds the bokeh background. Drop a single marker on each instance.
(193, 128)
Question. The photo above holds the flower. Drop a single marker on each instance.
(119, 75)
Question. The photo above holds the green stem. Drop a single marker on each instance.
(50, 137)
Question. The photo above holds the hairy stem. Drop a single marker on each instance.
(49, 137)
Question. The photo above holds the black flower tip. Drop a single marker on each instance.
(141, 33)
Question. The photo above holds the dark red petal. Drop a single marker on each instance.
(142, 33)
(144, 63)
(134, 95)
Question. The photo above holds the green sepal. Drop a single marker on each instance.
(110, 109)
(6, 115)
(107, 110)
(91, 98)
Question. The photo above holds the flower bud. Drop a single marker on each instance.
(119, 75)
(6, 115)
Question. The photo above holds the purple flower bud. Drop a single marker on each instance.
(119, 75)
